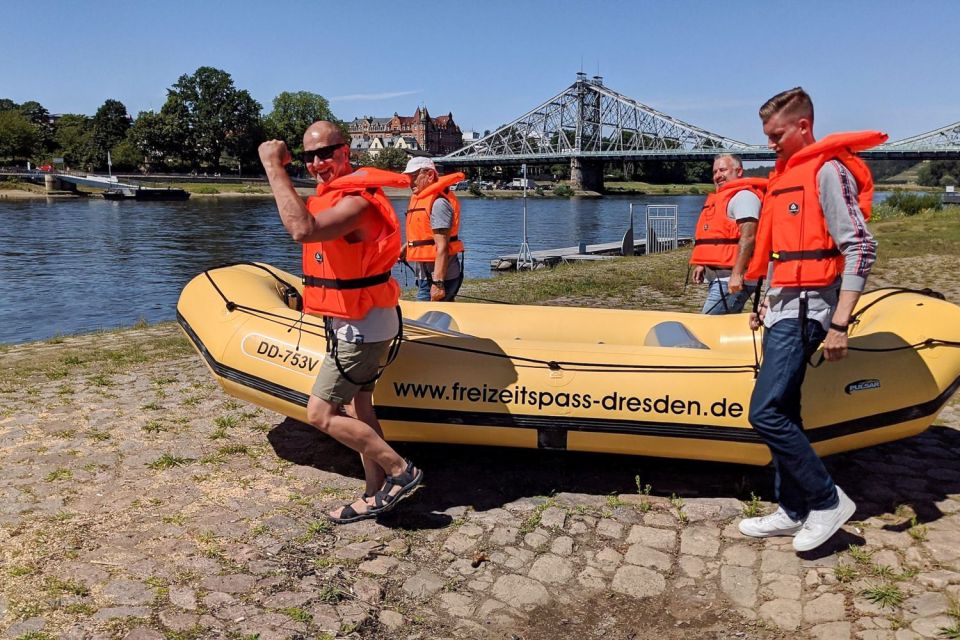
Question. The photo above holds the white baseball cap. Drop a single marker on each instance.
(419, 162)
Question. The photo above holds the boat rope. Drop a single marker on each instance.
(756, 310)
(923, 344)
(333, 348)
(554, 365)
(293, 300)
(893, 291)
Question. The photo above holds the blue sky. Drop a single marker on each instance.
(877, 64)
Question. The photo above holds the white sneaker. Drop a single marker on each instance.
(821, 525)
(777, 523)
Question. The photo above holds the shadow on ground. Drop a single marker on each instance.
(918, 472)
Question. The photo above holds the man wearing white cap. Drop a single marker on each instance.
(433, 231)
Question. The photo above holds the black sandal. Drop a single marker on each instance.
(348, 514)
(408, 481)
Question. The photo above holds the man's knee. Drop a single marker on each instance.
(320, 412)
(759, 415)
(764, 411)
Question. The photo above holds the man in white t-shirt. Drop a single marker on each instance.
(724, 238)
(433, 245)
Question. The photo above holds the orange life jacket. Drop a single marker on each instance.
(421, 247)
(343, 278)
(793, 232)
(717, 236)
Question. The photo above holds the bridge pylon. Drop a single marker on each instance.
(586, 175)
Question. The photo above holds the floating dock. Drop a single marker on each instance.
(583, 252)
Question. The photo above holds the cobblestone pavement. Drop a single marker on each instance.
(138, 501)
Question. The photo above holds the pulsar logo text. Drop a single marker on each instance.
(862, 385)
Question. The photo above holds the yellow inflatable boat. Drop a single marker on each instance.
(639, 382)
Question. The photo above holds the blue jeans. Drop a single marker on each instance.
(450, 287)
(720, 301)
(801, 482)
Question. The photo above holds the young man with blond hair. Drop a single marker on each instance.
(814, 242)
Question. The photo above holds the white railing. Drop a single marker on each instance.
(661, 228)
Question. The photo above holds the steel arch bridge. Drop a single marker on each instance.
(588, 124)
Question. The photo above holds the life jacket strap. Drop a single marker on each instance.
(816, 254)
(347, 283)
(424, 243)
(717, 241)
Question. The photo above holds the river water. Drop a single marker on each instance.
(71, 266)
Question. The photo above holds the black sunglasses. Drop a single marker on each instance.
(323, 153)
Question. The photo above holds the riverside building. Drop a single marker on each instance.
(420, 132)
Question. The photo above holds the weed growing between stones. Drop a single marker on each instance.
(58, 474)
(860, 555)
(845, 572)
(614, 501)
(314, 529)
(884, 572)
(752, 508)
(884, 595)
(19, 571)
(644, 491)
(917, 531)
(226, 422)
(533, 520)
(100, 380)
(677, 503)
(168, 461)
(234, 450)
(154, 426)
(98, 436)
(301, 500)
(298, 614)
(330, 594)
(953, 631)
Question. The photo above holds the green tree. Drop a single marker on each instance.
(157, 137)
(126, 156)
(40, 117)
(292, 114)
(931, 173)
(73, 140)
(212, 115)
(247, 133)
(109, 128)
(390, 158)
(698, 172)
(6, 104)
(18, 137)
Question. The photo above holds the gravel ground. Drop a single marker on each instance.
(139, 501)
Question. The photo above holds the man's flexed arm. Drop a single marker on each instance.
(300, 223)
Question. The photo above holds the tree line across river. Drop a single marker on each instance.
(208, 124)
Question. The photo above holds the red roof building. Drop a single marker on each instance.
(439, 135)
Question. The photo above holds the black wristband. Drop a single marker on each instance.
(842, 328)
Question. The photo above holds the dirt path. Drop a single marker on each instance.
(138, 501)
